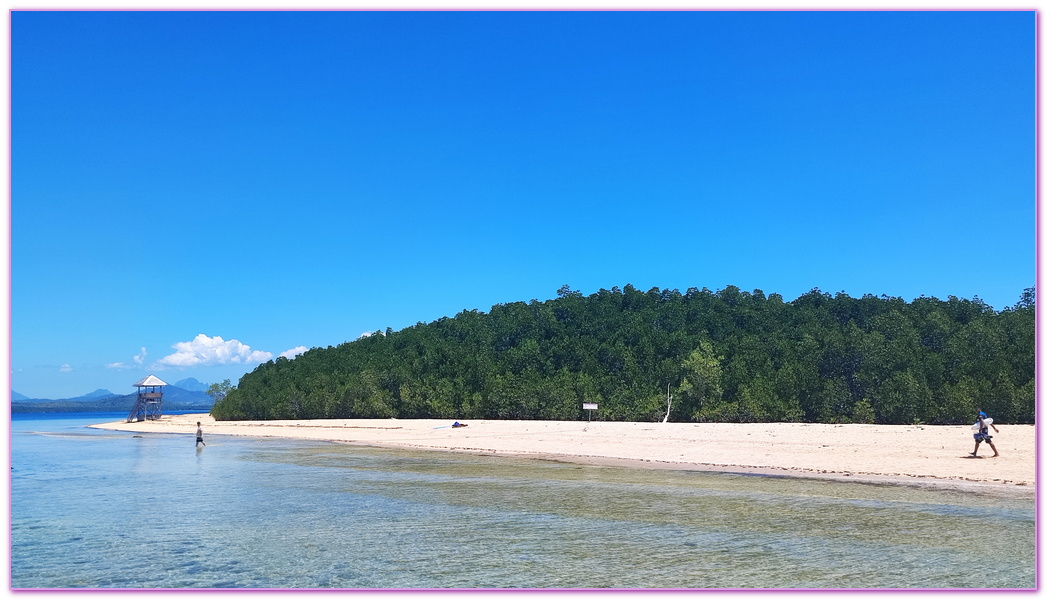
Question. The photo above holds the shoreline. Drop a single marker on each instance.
(931, 456)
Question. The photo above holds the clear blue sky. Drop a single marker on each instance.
(283, 180)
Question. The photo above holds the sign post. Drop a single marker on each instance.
(589, 407)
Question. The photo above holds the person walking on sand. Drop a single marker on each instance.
(199, 435)
(981, 433)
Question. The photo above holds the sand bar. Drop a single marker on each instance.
(924, 455)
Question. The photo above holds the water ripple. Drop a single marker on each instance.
(285, 514)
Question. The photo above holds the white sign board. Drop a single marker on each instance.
(587, 406)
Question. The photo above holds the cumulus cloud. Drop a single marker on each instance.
(370, 333)
(293, 352)
(208, 351)
(138, 359)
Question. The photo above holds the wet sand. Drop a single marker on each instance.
(922, 455)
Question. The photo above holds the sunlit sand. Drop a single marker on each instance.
(923, 455)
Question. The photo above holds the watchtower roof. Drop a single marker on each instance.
(151, 381)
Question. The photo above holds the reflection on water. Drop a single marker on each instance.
(105, 510)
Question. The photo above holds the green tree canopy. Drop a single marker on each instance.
(729, 355)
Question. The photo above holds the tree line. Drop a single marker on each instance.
(724, 356)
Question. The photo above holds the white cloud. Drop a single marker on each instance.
(293, 352)
(370, 333)
(138, 359)
(65, 368)
(208, 351)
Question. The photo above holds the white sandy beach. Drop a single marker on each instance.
(922, 455)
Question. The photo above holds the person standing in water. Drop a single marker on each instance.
(199, 435)
(981, 428)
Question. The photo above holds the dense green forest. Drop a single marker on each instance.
(729, 355)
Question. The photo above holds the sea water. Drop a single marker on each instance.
(103, 509)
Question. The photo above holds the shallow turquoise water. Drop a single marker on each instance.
(96, 509)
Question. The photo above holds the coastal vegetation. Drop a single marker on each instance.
(724, 356)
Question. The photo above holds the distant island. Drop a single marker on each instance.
(695, 356)
(187, 394)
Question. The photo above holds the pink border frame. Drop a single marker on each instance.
(1038, 339)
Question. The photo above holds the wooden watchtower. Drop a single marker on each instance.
(147, 405)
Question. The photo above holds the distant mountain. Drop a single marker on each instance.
(92, 397)
(174, 393)
(96, 394)
(175, 398)
(192, 385)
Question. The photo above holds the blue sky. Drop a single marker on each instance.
(193, 192)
